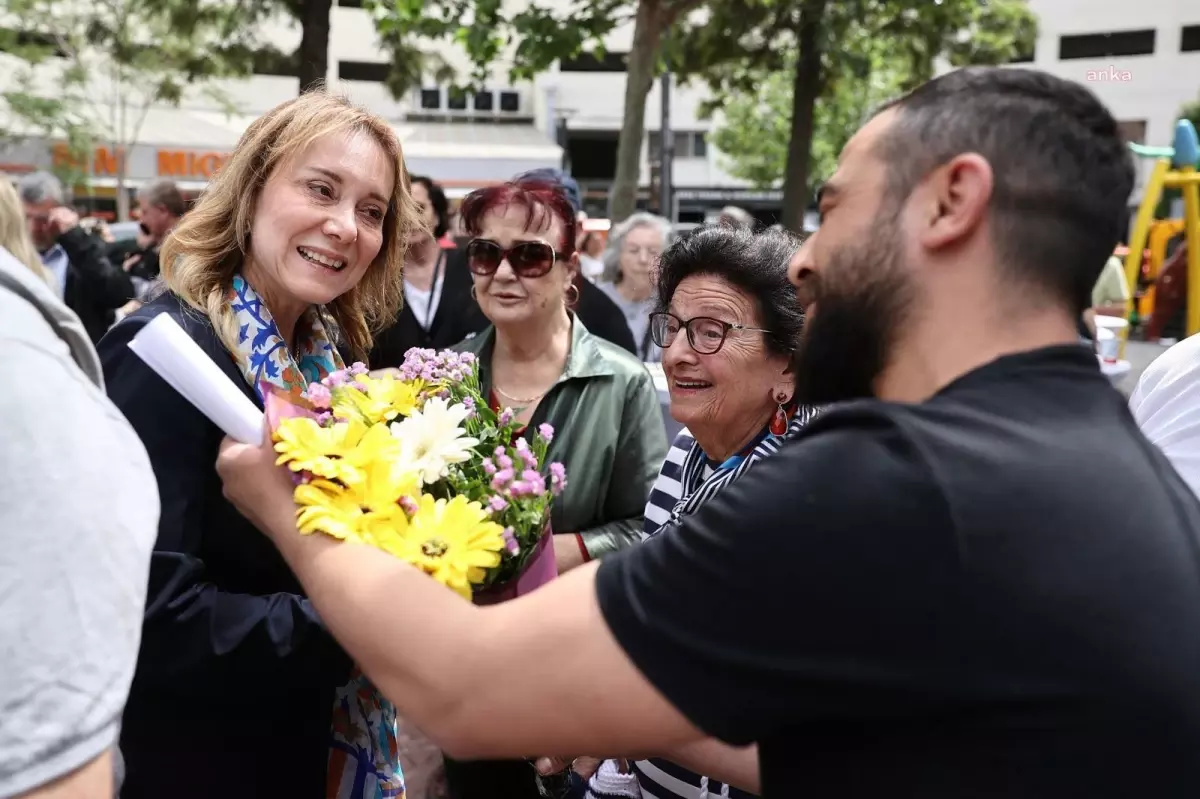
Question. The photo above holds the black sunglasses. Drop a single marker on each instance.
(527, 258)
(705, 334)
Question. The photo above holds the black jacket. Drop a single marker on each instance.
(95, 287)
(458, 316)
(235, 681)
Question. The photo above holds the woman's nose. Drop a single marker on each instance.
(341, 224)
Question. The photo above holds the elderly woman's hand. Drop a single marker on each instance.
(260, 490)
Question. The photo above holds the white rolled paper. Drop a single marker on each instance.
(172, 354)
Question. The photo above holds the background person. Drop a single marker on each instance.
(438, 311)
(240, 689)
(87, 282)
(634, 247)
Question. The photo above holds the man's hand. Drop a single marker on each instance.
(132, 261)
(567, 554)
(61, 219)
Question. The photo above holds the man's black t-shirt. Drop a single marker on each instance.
(995, 593)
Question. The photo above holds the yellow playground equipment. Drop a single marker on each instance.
(1174, 168)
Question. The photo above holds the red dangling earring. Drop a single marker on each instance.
(779, 422)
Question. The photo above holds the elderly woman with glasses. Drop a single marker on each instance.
(633, 251)
(727, 322)
(539, 360)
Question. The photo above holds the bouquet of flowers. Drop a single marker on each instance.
(418, 465)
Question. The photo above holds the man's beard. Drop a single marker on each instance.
(861, 298)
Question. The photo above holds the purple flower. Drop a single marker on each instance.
(504, 461)
(558, 478)
(546, 432)
(325, 419)
(519, 488)
(336, 379)
(535, 481)
(489, 468)
(319, 395)
(506, 417)
(358, 368)
(526, 454)
(510, 541)
(501, 479)
(497, 503)
(469, 402)
(409, 505)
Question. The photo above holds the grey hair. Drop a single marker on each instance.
(165, 194)
(39, 187)
(616, 241)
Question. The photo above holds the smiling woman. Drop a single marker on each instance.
(292, 255)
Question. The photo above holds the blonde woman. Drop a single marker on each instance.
(293, 253)
(14, 234)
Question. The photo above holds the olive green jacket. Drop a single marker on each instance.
(608, 433)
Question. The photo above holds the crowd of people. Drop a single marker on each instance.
(910, 541)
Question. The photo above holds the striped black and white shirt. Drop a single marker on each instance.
(684, 484)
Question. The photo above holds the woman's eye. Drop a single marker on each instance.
(321, 189)
(374, 213)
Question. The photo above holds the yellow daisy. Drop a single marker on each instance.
(452, 541)
(339, 452)
(366, 512)
(385, 399)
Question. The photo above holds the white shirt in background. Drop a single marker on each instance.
(1166, 406)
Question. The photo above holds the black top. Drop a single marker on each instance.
(235, 681)
(95, 287)
(995, 593)
(458, 317)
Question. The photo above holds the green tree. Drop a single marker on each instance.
(537, 37)
(90, 73)
(1191, 111)
(821, 43)
(754, 130)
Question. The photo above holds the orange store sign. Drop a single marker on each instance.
(185, 164)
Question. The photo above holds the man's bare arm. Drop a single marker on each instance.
(93, 780)
(737, 766)
(511, 680)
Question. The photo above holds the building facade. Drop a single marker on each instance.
(1142, 59)
(570, 115)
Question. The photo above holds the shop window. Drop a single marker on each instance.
(1189, 39)
(590, 62)
(367, 71)
(510, 102)
(1107, 45)
(431, 99)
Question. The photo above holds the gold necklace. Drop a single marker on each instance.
(524, 403)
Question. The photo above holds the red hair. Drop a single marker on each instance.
(542, 200)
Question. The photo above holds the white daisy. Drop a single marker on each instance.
(431, 439)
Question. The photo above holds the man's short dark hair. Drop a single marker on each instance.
(756, 263)
(1063, 174)
(437, 198)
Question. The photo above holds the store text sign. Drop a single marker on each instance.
(182, 164)
(188, 164)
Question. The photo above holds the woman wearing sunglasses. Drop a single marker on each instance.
(539, 360)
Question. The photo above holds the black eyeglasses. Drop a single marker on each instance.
(705, 334)
(527, 258)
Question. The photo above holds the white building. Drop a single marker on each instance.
(1142, 59)
(462, 142)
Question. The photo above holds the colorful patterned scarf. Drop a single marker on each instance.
(363, 757)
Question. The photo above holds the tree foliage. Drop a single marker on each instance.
(90, 72)
(534, 37)
(754, 130)
(828, 47)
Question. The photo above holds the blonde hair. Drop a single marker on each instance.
(210, 244)
(14, 235)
